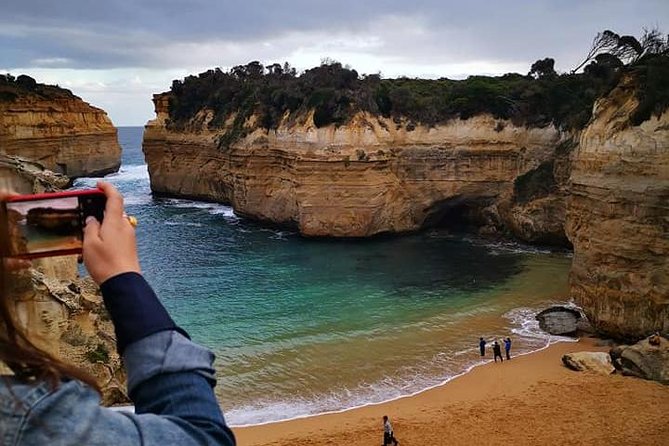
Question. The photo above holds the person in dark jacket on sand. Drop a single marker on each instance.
(507, 348)
(482, 346)
(388, 434)
(497, 351)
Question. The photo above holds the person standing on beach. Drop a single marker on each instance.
(507, 348)
(497, 351)
(482, 346)
(388, 435)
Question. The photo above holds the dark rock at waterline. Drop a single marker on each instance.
(559, 320)
(647, 359)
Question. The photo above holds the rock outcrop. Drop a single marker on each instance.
(596, 362)
(559, 320)
(644, 360)
(617, 215)
(373, 175)
(59, 131)
(26, 177)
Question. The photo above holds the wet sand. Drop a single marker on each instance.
(530, 400)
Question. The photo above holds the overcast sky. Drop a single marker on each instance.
(116, 53)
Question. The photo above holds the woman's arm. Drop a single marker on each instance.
(168, 375)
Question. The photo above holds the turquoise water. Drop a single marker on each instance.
(305, 326)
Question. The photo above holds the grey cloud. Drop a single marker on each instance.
(129, 33)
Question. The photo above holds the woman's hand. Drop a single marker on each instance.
(110, 248)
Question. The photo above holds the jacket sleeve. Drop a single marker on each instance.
(134, 309)
(168, 374)
(72, 415)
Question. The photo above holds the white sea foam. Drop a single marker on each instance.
(212, 208)
(527, 326)
(369, 394)
(130, 173)
(277, 234)
(138, 173)
(182, 223)
(499, 247)
(132, 180)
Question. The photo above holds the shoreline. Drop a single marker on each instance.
(445, 382)
(479, 401)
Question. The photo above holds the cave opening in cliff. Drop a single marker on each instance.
(459, 214)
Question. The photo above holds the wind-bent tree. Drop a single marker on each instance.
(654, 42)
(603, 41)
(608, 45)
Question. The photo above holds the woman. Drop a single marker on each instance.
(170, 378)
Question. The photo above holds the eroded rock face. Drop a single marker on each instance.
(64, 134)
(536, 210)
(370, 176)
(617, 219)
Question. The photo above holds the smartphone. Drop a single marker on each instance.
(46, 225)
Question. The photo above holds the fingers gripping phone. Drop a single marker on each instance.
(46, 225)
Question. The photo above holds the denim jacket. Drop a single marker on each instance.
(170, 381)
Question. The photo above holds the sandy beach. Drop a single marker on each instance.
(530, 400)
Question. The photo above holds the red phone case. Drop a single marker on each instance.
(48, 196)
(52, 195)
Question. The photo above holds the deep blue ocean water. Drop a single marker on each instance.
(303, 326)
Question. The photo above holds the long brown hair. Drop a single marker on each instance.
(27, 361)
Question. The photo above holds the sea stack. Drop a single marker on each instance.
(55, 128)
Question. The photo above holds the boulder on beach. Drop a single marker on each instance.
(597, 362)
(559, 320)
(645, 359)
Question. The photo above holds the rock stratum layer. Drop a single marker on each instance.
(618, 219)
(370, 176)
(63, 134)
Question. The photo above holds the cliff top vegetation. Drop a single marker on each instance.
(335, 92)
(12, 88)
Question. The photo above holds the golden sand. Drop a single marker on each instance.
(530, 400)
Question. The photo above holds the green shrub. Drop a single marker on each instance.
(651, 76)
(335, 93)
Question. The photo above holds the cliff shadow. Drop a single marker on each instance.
(459, 214)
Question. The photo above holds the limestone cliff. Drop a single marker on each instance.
(372, 175)
(617, 219)
(60, 131)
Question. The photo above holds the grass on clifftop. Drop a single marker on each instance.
(335, 93)
(652, 88)
(13, 88)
